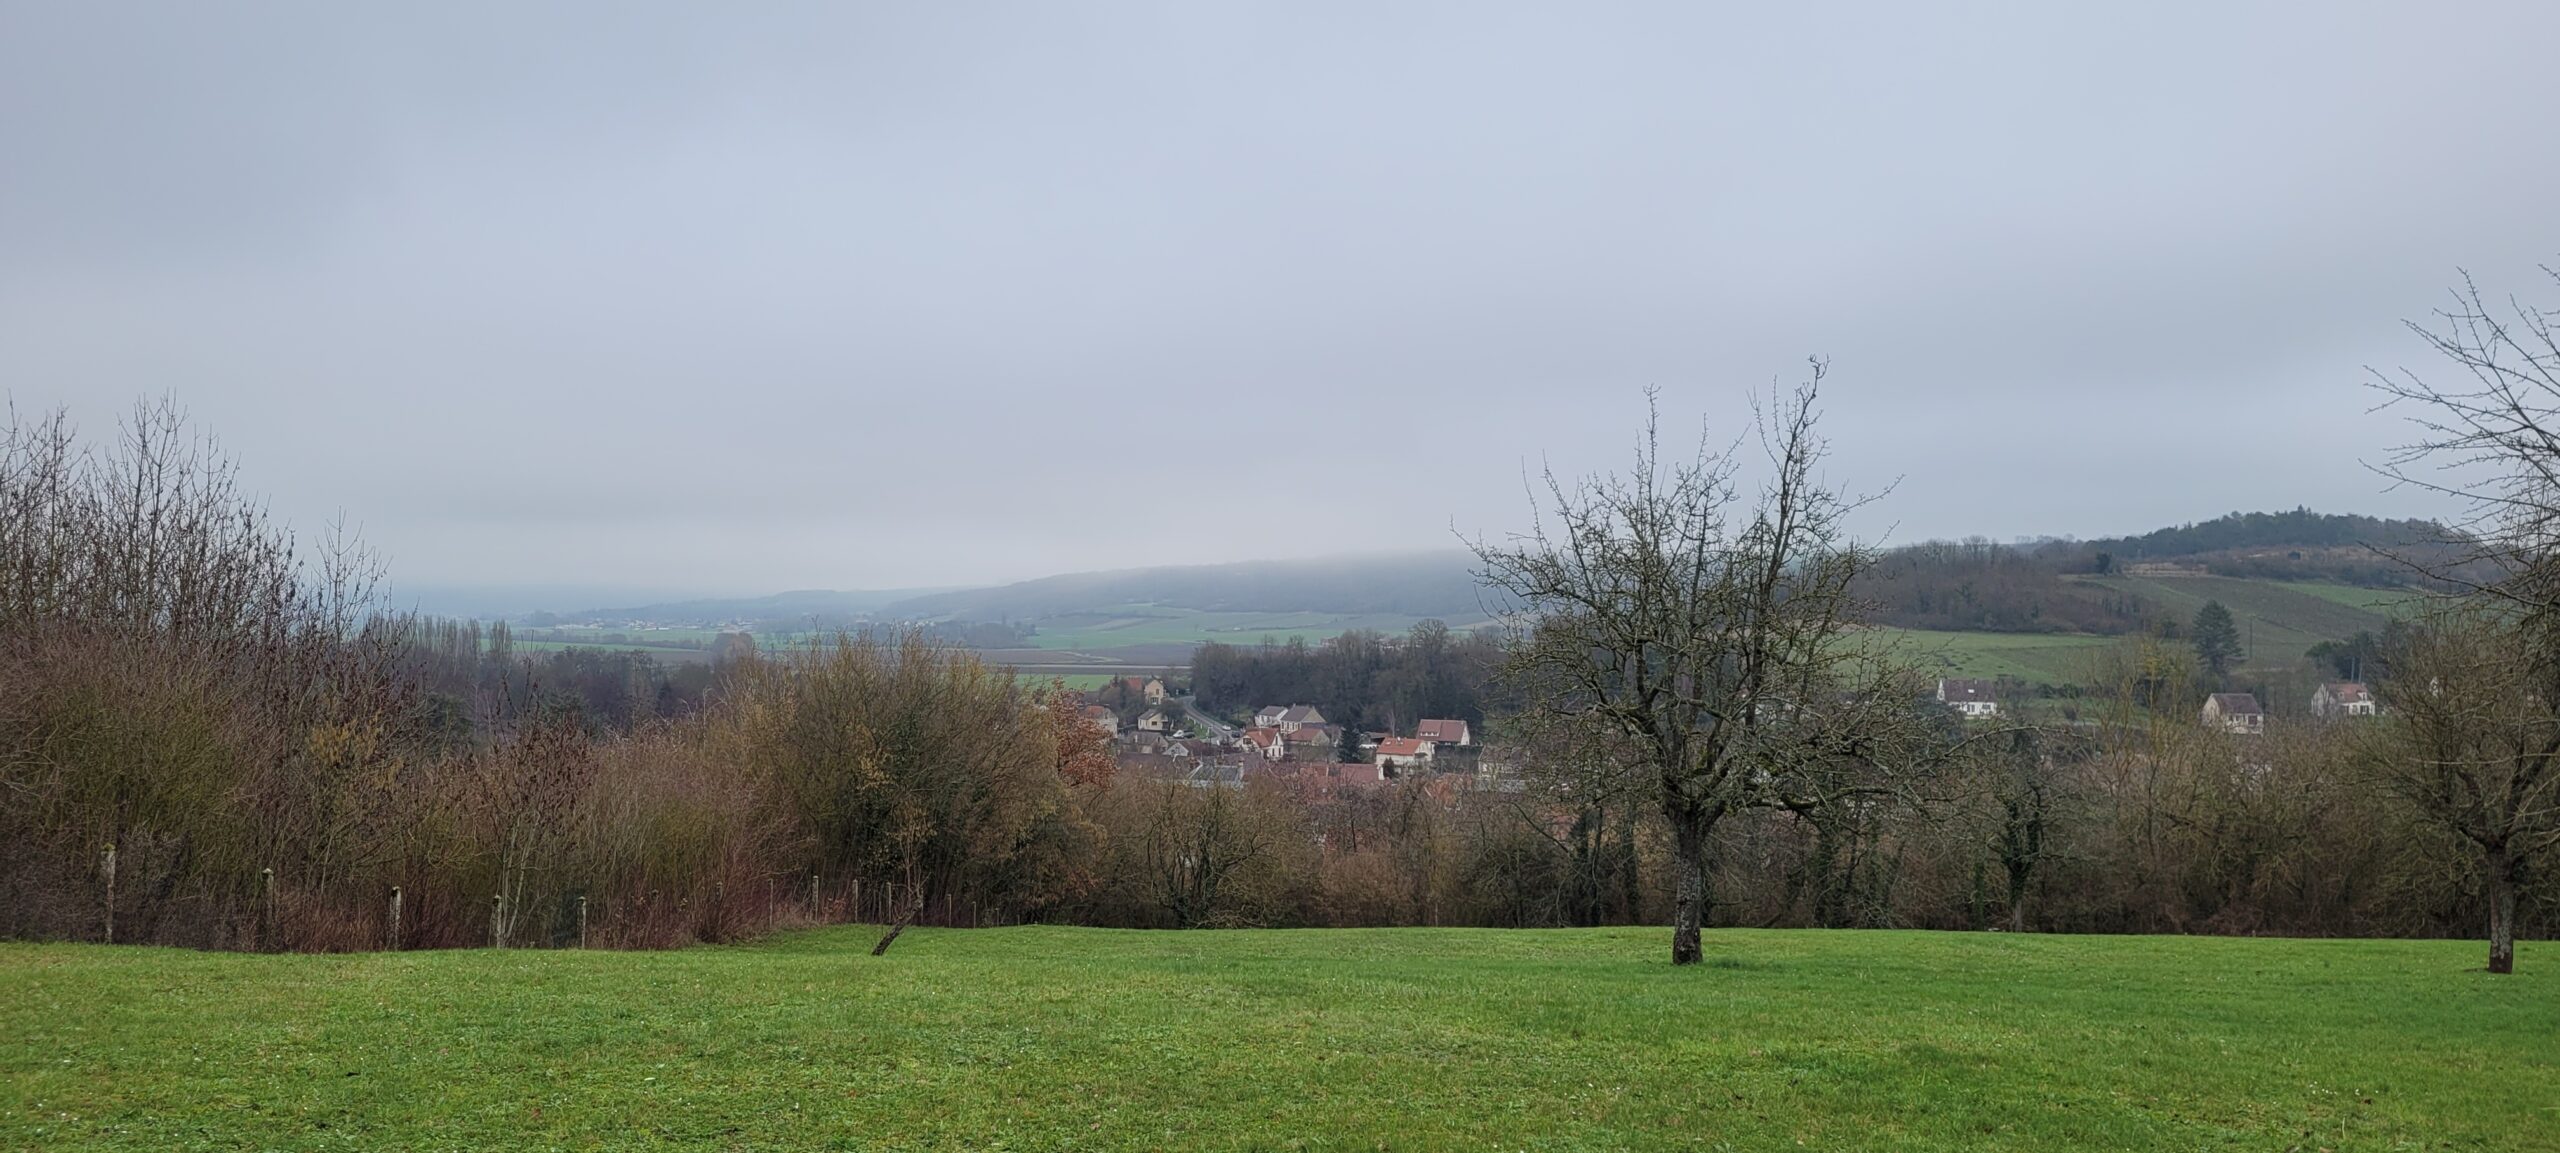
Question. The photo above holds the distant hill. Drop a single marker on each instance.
(780, 610)
(2292, 578)
(1436, 584)
(2300, 528)
(2039, 611)
(2068, 586)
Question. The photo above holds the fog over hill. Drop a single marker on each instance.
(1434, 584)
(822, 604)
(2027, 586)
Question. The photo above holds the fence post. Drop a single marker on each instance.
(395, 918)
(582, 921)
(497, 921)
(267, 922)
(108, 867)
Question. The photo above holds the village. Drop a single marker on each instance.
(1158, 732)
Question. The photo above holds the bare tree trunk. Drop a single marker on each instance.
(2502, 916)
(906, 916)
(1630, 878)
(1689, 852)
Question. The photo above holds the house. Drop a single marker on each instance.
(1268, 716)
(2235, 713)
(1216, 773)
(1312, 742)
(1266, 741)
(1103, 719)
(2342, 699)
(1148, 742)
(1299, 715)
(1971, 697)
(1398, 752)
(1155, 721)
(1154, 691)
(1451, 733)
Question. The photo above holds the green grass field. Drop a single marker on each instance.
(1051, 1038)
(2277, 619)
(2036, 658)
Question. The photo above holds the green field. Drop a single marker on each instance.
(2036, 658)
(1053, 1038)
(2279, 621)
(1081, 682)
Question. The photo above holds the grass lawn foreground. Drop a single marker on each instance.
(1059, 1038)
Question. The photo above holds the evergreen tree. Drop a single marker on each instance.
(2217, 639)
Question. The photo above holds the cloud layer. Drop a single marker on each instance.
(836, 296)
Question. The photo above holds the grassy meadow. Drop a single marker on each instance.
(2279, 621)
(1056, 1038)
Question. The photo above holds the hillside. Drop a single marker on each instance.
(2034, 611)
(1058, 1038)
(2278, 622)
(786, 609)
(1417, 585)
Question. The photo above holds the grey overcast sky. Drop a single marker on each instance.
(751, 297)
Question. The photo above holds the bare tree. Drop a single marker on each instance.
(2024, 779)
(1197, 849)
(2479, 699)
(2489, 436)
(1710, 632)
(2474, 747)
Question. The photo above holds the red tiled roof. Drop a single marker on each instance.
(1451, 732)
(1354, 773)
(1402, 747)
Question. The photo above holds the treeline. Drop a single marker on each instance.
(2137, 821)
(206, 740)
(470, 679)
(1982, 586)
(1360, 679)
(2137, 826)
(2299, 528)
